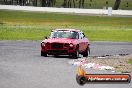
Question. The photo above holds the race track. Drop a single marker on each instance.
(21, 65)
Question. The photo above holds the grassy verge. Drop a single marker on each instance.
(130, 61)
(16, 25)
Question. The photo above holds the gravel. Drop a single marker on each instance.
(120, 63)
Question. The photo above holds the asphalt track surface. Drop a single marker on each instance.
(21, 66)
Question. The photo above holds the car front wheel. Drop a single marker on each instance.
(75, 55)
(43, 54)
(86, 52)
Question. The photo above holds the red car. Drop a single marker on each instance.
(70, 42)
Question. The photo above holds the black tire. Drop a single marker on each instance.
(43, 54)
(75, 55)
(86, 52)
(81, 80)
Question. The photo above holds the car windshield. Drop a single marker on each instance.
(64, 34)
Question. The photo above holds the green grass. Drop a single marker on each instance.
(17, 25)
(130, 61)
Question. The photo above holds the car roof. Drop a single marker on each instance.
(76, 30)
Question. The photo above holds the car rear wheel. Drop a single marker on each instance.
(86, 52)
(75, 55)
(43, 54)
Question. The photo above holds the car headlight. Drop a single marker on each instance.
(42, 44)
(70, 45)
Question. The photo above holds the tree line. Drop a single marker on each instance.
(46, 3)
(52, 3)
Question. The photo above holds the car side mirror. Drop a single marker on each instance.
(46, 37)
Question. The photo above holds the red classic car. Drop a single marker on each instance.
(70, 42)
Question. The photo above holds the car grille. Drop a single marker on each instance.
(57, 45)
(57, 51)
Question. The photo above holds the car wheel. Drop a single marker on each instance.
(81, 80)
(43, 54)
(75, 55)
(86, 52)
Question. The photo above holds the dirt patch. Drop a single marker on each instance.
(119, 62)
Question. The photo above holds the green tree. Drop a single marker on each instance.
(117, 4)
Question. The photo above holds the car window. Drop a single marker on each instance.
(81, 35)
(64, 34)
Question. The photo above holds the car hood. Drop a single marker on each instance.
(59, 40)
